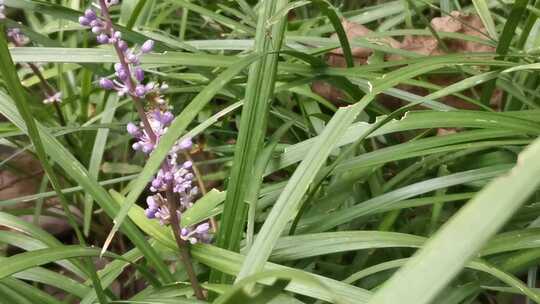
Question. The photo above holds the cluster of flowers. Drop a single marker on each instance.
(130, 75)
(172, 176)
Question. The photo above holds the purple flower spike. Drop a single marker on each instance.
(148, 46)
(106, 84)
(174, 175)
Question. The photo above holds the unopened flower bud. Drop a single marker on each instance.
(139, 74)
(147, 46)
(106, 84)
(102, 38)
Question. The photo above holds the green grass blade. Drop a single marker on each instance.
(96, 157)
(260, 89)
(432, 268)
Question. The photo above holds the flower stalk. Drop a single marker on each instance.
(173, 187)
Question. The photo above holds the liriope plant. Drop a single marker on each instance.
(269, 151)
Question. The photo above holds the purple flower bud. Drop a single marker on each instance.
(140, 91)
(84, 21)
(117, 35)
(132, 129)
(122, 45)
(97, 29)
(150, 213)
(167, 118)
(122, 73)
(139, 74)
(151, 202)
(147, 46)
(106, 84)
(102, 38)
(203, 228)
(147, 147)
(90, 14)
(186, 144)
(184, 232)
(156, 183)
(132, 58)
(187, 164)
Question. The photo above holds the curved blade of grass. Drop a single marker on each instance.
(310, 245)
(286, 207)
(475, 265)
(330, 12)
(238, 292)
(29, 259)
(228, 22)
(425, 275)
(516, 14)
(230, 263)
(484, 13)
(328, 221)
(259, 92)
(96, 157)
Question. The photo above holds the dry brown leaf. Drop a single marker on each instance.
(456, 22)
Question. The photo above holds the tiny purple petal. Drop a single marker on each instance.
(140, 91)
(97, 29)
(151, 202)
(106, 84)
(102, 38)
(84, 21)
(203, 228)
(184, 232)
(186, 144)
(132, 129)
(147, 147)
(122, 45)
(187, 164)
(139, 74)
(150, 213)
(132, 58)
(147, 46)
(90, 14)
(122, 74)
(167, 118)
